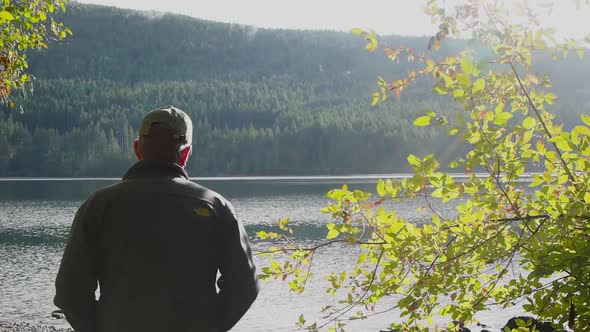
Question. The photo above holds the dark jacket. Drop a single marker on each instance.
(155, 243)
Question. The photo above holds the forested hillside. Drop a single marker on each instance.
(264, 102)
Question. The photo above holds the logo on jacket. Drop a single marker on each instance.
(203, 212)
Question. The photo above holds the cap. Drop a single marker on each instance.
(172, 117)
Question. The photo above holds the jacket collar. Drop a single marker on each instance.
(150, 168)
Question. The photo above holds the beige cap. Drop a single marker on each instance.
(169, 116)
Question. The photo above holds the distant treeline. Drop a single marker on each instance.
(77, 128)
(263, 102)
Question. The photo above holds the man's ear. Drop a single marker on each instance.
(137, 149)
(184, 154)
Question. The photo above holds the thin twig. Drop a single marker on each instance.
(354, 304)
(547, 132)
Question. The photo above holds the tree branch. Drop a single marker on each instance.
(538, 114)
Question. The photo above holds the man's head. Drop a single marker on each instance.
(165, 134)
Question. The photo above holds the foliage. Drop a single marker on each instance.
(528, 207)
(25, 25)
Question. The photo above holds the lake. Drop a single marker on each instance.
(35, 216)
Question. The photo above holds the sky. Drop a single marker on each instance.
(402, 17)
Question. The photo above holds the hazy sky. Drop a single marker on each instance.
(383, 16)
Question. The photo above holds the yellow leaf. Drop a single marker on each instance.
(422, 121)
(6, 16)
(583, 130)
(376, 97)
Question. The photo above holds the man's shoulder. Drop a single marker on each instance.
(177, 186)
(105, 192)
(219, 203)
(102, 195)
(118, 193)
(210, 196)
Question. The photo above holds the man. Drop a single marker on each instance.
(155, 243)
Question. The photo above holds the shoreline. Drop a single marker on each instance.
(29, 327)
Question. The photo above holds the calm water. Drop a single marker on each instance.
(35, 217)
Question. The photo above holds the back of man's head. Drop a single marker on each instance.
(165, 135)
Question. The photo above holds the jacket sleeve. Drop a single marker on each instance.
(238, 286)
(76, 281)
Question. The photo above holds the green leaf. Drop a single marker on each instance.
(441, 89)
(585, 119)
(381, 188)
(6, 16)
(389, 187)
(283, 223)
(438, 193)
(422, 121)
(550, 98)
(362, 258)
(453, 131)
(528, 122)
(448, 80)
(565, 146)
(459, 93)
(477, 69)
(464, 80)
(502, 118)
(332, 234)
(414, 161)
(357, 31)
(479, 85)
(371, 43)
(466, 65)
(541, 147)
(526, 137)
(302, 319)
